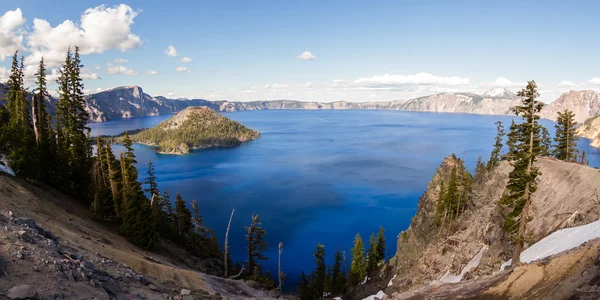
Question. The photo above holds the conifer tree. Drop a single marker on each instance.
(511, 142)
(495, 156)
(358, 268)
(305, 291)
(566, 139)
(183, 217)
(18, 133)
(256, 244)
(102, 204)
(545, 143)
(320, 274)
(522, 179)
(584, 158)
(480, 170)
(339, 280)
(372, 259)
(115, 180)
(381, 244)
(151, 181)
(42, 125)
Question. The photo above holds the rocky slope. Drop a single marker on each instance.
(51, 249)
(194, 128)
(591, 129)
(584, 104)
(568, 195)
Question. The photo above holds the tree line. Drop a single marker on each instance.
(58, 151)
(335, 280)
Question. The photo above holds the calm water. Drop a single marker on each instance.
(319, 176)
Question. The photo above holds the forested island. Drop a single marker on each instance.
(193, 128)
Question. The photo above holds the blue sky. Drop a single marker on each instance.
(361, 50)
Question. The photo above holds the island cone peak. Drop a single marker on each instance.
(195, 127)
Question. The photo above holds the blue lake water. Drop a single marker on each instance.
(319, 176)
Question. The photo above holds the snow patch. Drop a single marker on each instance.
(365, 280)
(4, 167)
(379, 295)
(337, 298)
(559, 241)
(474, 263)
(392, 280)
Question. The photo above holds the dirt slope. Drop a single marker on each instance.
(85, 247)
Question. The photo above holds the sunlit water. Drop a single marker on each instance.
(319, 176)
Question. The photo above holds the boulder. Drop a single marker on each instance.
(24, 291)
(185, 292)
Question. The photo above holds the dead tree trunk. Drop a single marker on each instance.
(225, 249)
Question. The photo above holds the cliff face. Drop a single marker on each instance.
(567, 196)
(591, 129)
(584, 104)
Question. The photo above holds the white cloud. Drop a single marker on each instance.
(186, 60)
(121, 60)
(251, 91)
(566, 83)
(98, 67)
(594, 81)
(121, 70)
(87, 75)
(306, 55)
(171, 51)
(309, 84)
(170, 94)
(100, 29)
(393, 82)
(151, 72)
(505, 83)
(99, 90)
(4, 73)
(183, 70)
(11, 33)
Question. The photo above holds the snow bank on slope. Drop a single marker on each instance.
(392, 280)
(379, 295)
(474, 263)
(4, 166)
(559, 241)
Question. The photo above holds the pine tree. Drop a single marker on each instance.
(305, 291)
(183, 217)
(102, 203)
(18, 133)
(545, 143)
(495, 156)
(339, 280)
(151, 181)
(511, 142)
(115, 180)
(381, 244)
(480, 170)
(566, 139)
(256, 244)
(584, 158)
(42, 125)
(319, 276)
(372, 259)
(522, 179)
(358, 268)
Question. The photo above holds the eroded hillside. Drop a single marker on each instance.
(568, 195)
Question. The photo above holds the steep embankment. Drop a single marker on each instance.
(568, 195)
(195, 128)
(68, 256)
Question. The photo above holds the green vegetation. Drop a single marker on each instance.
(452, 199)
(527, 138)
(495, 156)
(566, 139)
(193, 128)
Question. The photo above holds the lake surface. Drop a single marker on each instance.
(319, 176)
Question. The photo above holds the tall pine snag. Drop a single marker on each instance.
(566, 139)
(522, 179)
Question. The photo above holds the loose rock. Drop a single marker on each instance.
(22, 292)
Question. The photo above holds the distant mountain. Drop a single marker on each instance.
(50, 101)
(193, 128)
(131, 101)
(500, 93)
(584, 104)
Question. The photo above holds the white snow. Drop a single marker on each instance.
(559, 241)
(337, 298)
(365, 280)
(392, 280)
(4, 167)
(474, 263)
(495, 92)
(379, 295)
